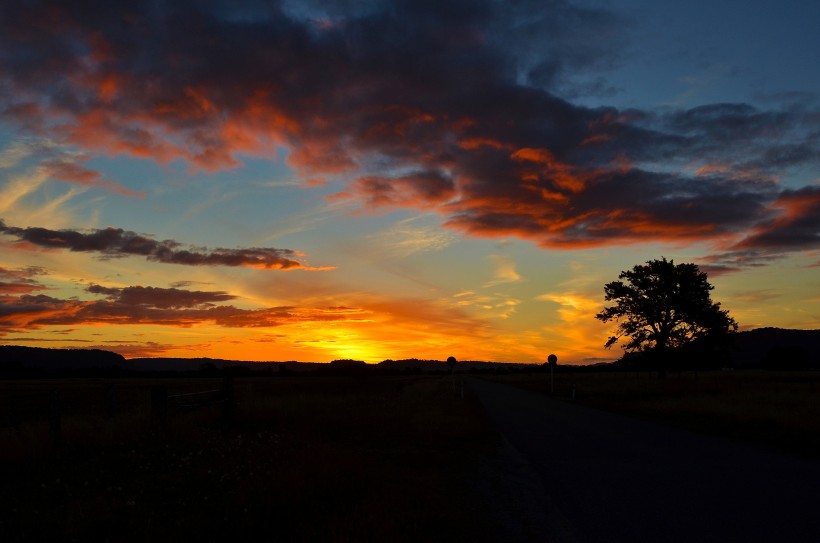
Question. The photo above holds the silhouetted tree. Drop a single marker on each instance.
(661, 305)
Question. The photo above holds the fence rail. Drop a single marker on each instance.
(162, 405)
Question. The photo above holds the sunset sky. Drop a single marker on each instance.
(305, 180)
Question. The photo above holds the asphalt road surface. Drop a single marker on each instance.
(610, 478)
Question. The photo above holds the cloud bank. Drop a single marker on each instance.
(457, 107)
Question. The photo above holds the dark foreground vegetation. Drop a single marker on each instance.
(302, 459)
(335, 452)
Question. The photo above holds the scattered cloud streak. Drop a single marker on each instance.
(21, 310)
(59, 163)
(117, 243)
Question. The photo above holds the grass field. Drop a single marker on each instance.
(780, 410)
(306, 459)
(319, 458)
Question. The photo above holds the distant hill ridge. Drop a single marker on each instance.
(761, 348)
(59, 359)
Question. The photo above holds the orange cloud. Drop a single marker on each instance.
(562, 176)
(471, 144)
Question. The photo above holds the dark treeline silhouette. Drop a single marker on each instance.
(17, 362)
(760, 349)
(777, 349)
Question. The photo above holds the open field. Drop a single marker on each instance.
(780, 410)
(324, 458)
(305, 459)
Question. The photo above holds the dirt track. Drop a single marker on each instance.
(609, 478)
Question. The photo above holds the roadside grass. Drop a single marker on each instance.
(779, 410)
(305, 459)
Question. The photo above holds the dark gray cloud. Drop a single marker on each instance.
(160, 297)
(555, 44)
(116, 242)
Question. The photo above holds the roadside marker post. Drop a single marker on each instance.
(451, 363)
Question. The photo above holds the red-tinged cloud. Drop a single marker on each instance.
(422, 189)
(796, 225)
(460, 107)
(20, 281)
(73, 172)
(116, 242)
(155, 306)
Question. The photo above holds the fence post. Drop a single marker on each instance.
(55, 418)
(110, 397)
(14, 413)
(228, 399)
(159, 403)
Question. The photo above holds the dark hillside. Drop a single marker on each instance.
(13, 356)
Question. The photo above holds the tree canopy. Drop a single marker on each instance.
(660, 305)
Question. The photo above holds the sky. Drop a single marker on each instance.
(304, 180)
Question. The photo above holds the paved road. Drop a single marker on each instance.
(610, 478)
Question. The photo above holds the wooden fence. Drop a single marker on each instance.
(163, 405)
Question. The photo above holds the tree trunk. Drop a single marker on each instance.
(661, 360)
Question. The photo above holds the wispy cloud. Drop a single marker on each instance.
(576, 328)
(493, 305)
(60, 163)
(408, 237)
(19, 187)
(504, 270)
(16, 152)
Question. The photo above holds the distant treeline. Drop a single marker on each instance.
(777, 348)
(17, 362)
(763, 348)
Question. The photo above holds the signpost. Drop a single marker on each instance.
(451, 363)
(553, 360)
